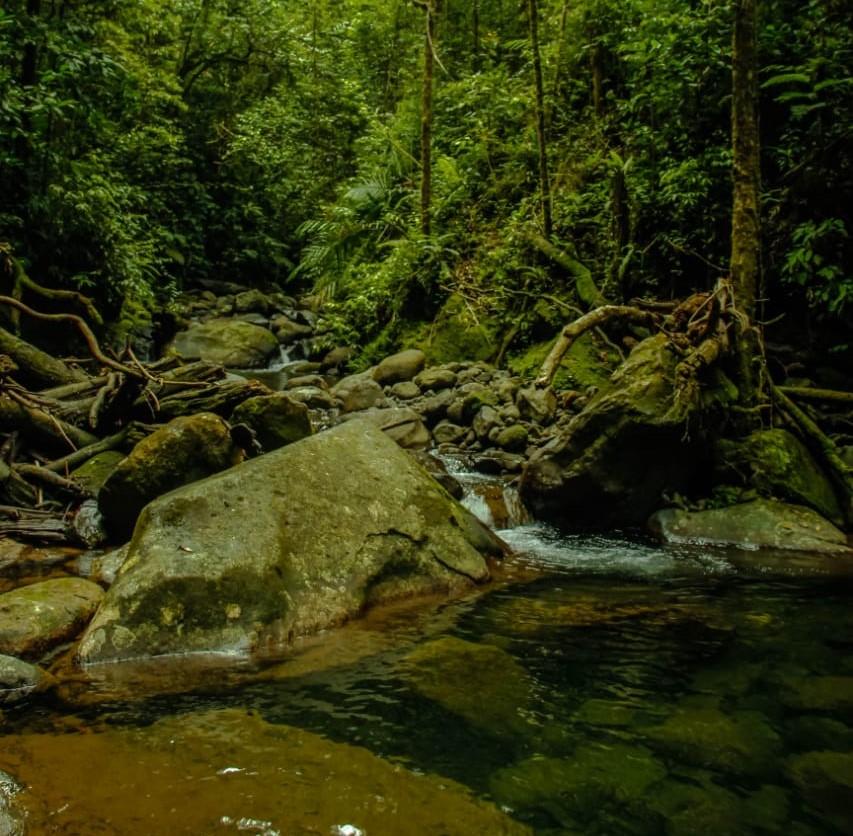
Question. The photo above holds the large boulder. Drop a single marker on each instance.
(615, 460)
(276, 419)
(776, 463)
(762, 523)
(286, 544)
(37, 618)
(228, 342)
(185, 450)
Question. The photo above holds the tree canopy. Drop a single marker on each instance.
(388, 153)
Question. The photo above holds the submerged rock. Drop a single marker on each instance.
(231, 771)
(826, 781)
(286, 544)
(480, 682)
(763, 523)
(37, 618)
(571, 790)
(739, 744)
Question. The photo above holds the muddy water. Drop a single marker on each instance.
(602, 686)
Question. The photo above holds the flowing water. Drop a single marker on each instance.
(601, 685)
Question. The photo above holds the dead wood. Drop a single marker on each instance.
(37, 368)
(38, 427)
(81, 456)
(805, 393)
(220, 398)
(575, 329)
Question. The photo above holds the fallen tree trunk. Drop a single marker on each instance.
(39, 427)
(805, 393)
(37, 368)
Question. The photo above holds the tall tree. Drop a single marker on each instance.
(746, 159)
(544, 179)
(430, 8)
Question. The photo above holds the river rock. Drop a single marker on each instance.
(295, 541)
(826, 781)
(480, 682)
(358, 391)
(287, 331)
(436, 378)
(37, 618)
(252, 301)
(402, 366)
(402, 424)
(12, 816)
(228, 342)
(763, 523)
(19, 679)
(186, 449)
(741, 743)
(276, 419)
(776, 463)
(614, 461)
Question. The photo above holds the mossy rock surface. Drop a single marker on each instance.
(777, 464)
(455, 335)
(298, 540)
(741, 743)
(826, 781)
(37, 618)
(276, 419)
(480, 682)
(589, 362)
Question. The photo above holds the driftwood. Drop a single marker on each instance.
(38, 368)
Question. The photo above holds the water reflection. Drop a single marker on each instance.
(601, 686)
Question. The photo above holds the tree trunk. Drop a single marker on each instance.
(746, 168)
(544, 179)
(430, 9)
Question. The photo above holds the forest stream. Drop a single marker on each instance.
(602, 685)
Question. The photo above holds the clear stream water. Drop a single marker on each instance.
(601, 685)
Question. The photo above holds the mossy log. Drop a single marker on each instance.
(38, 369)
(218, 398)
(40, 428)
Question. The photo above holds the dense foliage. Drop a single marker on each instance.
(146, 144)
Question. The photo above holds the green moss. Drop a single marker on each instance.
(589, 362)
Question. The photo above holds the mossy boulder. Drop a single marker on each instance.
(295, 541)
(455, 335)
(228, 342)
(480, 682)
(402, 366)
(276, 419)
(615, 460)
(37, 618)
(762, 523)
(185, 450)
(589, 362)
(777, 464)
